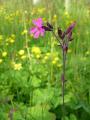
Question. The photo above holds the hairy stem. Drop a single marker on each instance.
(63, 82)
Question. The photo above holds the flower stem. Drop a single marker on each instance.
(63, 83)
(63, 73)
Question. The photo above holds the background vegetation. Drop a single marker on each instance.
(30, 70)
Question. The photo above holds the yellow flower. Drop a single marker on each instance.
(21, 52)
(67, 14)
(54, 19)
(55, 60)
(46, 57)
(36, 50)
(4, 54)
(48, 54)
(55, 16)
(17, 66)
(24, 32)
(13, 36)
(23, 57)
(11, 40)
(38, 56)
(1, 61)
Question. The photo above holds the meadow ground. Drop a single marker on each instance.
(30, 69)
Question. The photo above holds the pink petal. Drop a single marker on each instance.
(42, 31)
(38, 22)
(33, 30)
(36, 35)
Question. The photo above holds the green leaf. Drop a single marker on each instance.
(73, 117)
(40, 112)
(17, 116)
(42, 95)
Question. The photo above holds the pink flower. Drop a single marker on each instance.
(37, 30)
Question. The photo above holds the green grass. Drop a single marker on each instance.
(30, 85)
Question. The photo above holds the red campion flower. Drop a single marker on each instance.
(37, 30)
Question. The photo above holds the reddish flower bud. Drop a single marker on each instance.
(61, 34)
(69, 36)
(70, 28)
(49, 27)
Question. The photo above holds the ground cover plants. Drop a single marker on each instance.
(31, 69)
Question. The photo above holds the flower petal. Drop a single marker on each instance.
(33, 30)
(36, 35)
(42, 31)
(38, 22)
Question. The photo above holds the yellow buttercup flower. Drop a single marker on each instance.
(38, 56)
(54, 19)
(67, 14)
(23, 57)
(4, 54)
(1, 61)
(46, 58)
(55, 60)
(17, 66)
(11, 40)
(36, 50)
(55, 16)
(24, 32)
(48, 54)
(21, 52)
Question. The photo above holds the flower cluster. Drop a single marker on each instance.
(63, 37)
